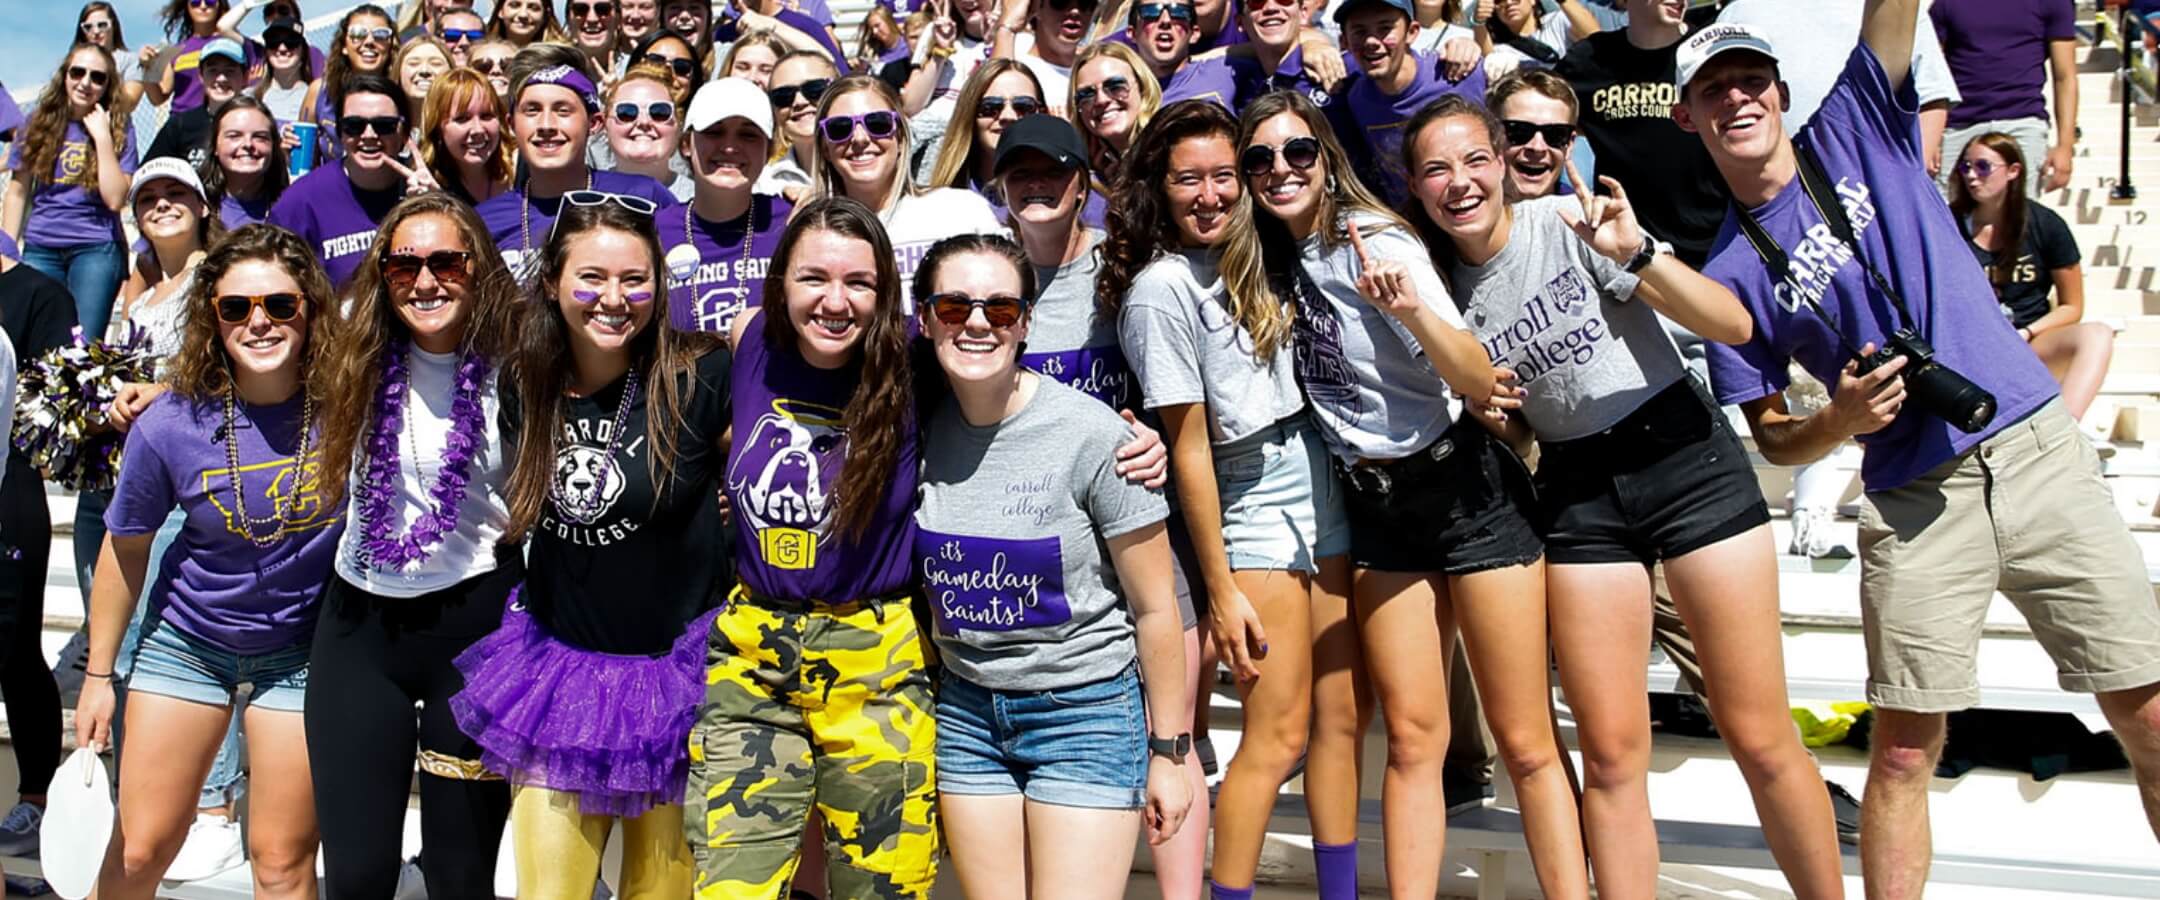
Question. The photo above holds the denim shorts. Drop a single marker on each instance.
(1082, 746)
(173, 664)
(1459, 505)
(1281, 507)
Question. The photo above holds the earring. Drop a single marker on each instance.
(1331, 185)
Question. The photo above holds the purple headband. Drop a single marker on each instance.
(569, 77)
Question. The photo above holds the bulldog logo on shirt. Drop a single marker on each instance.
(587, 484)
(780, 475)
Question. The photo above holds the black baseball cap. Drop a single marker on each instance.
(1043, 133)
(288, 25)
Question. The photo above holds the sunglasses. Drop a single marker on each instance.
(1557, 135)
(358, 126)
(661, 111)
(783, 97)
(359, 33)
(683, 67)
(100, 25)
(992, 107)
(1116, 87)
(1259, 159)
(203, 4)
(236, 309)
(490, 65)
(1258, 5)
(582, 10)
(878, 124)
(287, 45)
(1179, 13)
(98, 77)
(462, 35)
(633, 203)
(448, 267)
(955, 309)
(1979, 168)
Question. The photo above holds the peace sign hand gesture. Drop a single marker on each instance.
(1607, 224)
(418, 180)
(1384, 283)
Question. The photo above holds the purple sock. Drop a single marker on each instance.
(1337, 864)
(1218, 892)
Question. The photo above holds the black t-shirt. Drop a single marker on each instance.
(184, 136)
(1626, 95)
(614, 565)
(39, 315)
(2047, 245)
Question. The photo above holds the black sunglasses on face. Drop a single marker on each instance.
(955, 309)
(285, 45)
(358, 126)
(1557, 135)
(582, 10)
(683, 67)
(1259, 159)
(660, 110)
(236, 309)
(1022, 106)
(811, 90)
(878, 124)
(488, 65)
(98, 77)
(1179, 13)
(1116, 87)
(448, 267)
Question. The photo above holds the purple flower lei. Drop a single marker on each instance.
(379, 547)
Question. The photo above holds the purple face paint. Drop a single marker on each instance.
(591, 297)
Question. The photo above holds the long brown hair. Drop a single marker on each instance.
(1146, 102)
(119, 40)
(2014, 215)
(41, 140)
(353, 361)
(541, 366)
(958, 153)
(1450, 106)
(336, 69)
(1138, 221)
(551, 30)
(201, 370)
(1260, 256)
(275, 178)
(175, 19)
(882, 408)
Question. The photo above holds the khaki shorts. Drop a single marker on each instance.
(2025, 513)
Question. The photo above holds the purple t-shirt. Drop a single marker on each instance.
(509, 218)
(64, 213)
(783, 472)
(187, 80)
(1997, 51)
(717, 269)
(336, 218)
(1866, 134)
(11, 116)
(236, 213)
(1381, 119)
(1253, 79)
(214, 583)
(1202, 79)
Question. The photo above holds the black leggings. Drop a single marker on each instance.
(375, 657)
(33, 699)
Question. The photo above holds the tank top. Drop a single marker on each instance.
(783, 473)
(164, 322)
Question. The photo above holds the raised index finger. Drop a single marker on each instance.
(1357, 245)
(1584, 191)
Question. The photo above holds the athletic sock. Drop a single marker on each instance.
(1218, 892)
(1337, 865)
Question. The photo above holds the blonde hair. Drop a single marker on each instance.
(824, 179)
(1147, 99)
(397, 71)
(956, 156)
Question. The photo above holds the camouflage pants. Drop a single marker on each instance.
(828, 707)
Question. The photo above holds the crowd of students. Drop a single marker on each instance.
(834, 466)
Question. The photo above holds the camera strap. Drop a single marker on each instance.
(1831, 207)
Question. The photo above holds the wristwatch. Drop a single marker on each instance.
(1172, 749)
(1651, 247)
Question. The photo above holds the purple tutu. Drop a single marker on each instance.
(612, 729)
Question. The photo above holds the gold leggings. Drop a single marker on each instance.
(559, 849)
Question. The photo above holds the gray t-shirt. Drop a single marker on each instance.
(1182, 342)
(1563, 318)
(1373, 393)
(1068, 337)
(1011, 538)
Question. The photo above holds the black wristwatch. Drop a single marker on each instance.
(1651, 247)
(1172, 749)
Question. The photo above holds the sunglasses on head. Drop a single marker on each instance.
(1978, 167)
(1116, 87)
(448, 267)
(235, 309)
(1259, 159)
(956, 308)
(810, 91)
(633, 203)
(358, 126)
(683, 67)
(1179, 13)
(878, 124)
(1022, 106)
(1558, 135)
(660, 111)
(98, 77)
(581, 10)
(462, 35)
(359, 33)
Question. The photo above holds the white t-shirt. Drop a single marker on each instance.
(946, 95)
(1056, 79)
(921, 220)
(469, 549)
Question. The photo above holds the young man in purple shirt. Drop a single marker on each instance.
(1837, 241)
(1997, 51)
(1166, 29)
(1392, 83)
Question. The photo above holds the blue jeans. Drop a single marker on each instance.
(92, 274)
(225, 771)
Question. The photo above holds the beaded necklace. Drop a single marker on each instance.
(280, 508)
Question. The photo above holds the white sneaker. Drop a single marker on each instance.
(19, 831)
(1814, 535)
(411, 885)
(212, 846)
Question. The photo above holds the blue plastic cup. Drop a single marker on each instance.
(303, 156)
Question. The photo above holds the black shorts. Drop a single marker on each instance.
(1669, 479)
(1460, 505)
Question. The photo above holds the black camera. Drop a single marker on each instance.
(1937, 389)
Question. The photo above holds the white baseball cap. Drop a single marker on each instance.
(172, 167)
(1706, 44)
(730, 97)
